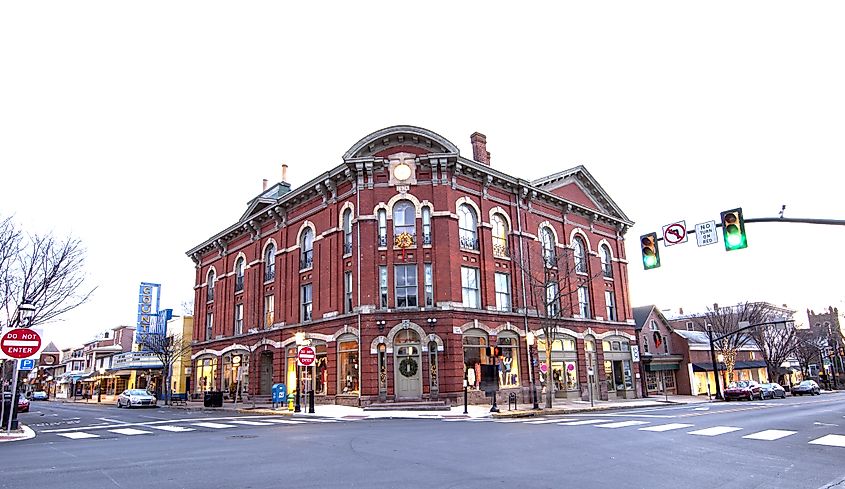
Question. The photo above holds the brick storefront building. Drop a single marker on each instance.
(400, 267)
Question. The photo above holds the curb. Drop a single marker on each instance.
(27, 434)
(543, 412)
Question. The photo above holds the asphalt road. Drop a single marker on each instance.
(793, 443)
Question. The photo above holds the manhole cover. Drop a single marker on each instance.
(244, 436)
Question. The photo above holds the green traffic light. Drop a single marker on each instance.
(733, 230)
(649, 261)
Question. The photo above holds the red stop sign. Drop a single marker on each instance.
(306, 356)
(20, 343)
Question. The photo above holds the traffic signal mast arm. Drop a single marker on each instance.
(796, 220)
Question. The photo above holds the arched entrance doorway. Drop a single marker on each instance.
(407, 365)
(265, 384)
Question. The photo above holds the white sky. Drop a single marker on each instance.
(143, 129)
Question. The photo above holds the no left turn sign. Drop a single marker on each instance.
(675, 233)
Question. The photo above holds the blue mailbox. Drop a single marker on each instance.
(280, 393)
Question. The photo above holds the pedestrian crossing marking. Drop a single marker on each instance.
(285, 421)
(547, 421)
(666, 427)
(583, 422)
(78, 435)
(770, 435)
(174, 429)
(216, 426)
(324, 420)
(130, 431)
(248, 423)
(830, 440)
(715, 431)
(621, 424)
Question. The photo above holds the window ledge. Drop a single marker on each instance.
(347, 255)
(303, 270)
(470, 250)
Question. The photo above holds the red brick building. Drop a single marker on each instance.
(401, 266)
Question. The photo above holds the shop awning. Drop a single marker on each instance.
(708, 366)
(656, 367)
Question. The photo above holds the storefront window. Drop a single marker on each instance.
(314, 377)
(382, 367)
(432, 367)
(571, 375)
(509, 363)
(347, 360)
(475, 355)
(235, 368)
(206, 371)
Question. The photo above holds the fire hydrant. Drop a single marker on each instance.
(290, 404)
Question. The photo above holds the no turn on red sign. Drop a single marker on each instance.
(20, 343)
(306, 356)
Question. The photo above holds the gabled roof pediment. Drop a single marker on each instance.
(266, 199)
(410, 139)
(578, 185)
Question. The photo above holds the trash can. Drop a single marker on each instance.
(280, 394)
(7, 413)
(213, 399)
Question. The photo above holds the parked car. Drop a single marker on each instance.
(39, 396)
(136, 397)
(744, 389)
(806, 387)
(773, 390)
(23, 402)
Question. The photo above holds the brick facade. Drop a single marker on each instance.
(571, 204)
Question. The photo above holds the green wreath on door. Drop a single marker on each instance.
(408, 367)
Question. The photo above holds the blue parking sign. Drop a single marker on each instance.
(27, 364)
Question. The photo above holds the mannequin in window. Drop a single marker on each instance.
(471, 377)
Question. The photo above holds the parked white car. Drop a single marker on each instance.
(136, 397)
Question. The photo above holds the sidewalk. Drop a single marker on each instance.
(24, 433)
(569, 406)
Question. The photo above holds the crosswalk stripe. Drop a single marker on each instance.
(285, 421)
(583, 422)
(130, 431)
(174, 429)
(516, 420)
(77, 435)
(714, 431)
(666, 427)
(547, 421)
(621, 424)
(248, 423)
(322, 420)
(216, 426)
(770, 435)
(830, 440)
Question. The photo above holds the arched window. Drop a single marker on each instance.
(426, 225)
(580, 255)
(468, 224)
(210, 286)
(500, 236)
(475, 355)
(404, 218)
(270, 263)
(347, 232)
(606, 268)
(347, 361)
(382, 227)
(306, 249)
(508, 343)
(239, 275)
(547, 239)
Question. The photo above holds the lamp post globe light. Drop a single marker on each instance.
(26, 312)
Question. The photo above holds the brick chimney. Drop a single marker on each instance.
(479, 148)
(264, 184)
(284, 172)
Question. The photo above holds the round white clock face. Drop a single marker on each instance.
(402, 172)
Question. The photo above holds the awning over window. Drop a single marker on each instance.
(656, 367)
(708, 366)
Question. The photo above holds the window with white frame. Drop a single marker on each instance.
(404, 219)
(580, 251)
(347, 231)
(269, 310)
(645, 343)
(610, 302)
(467, 227)
(382, 227)
(239, 319)
(239, 275)
(429, 285)
(503, 291)
(347, 291)
(470, 292)
(305, 302)
(405, 280)
(547, 240)
(270, 263)
(306, 249)
(426, 225)
(690, 326)
(210, 286)
(653, 325)
(552, 299)
(584, 302)
(382, 281)
(209, 325)
(500, 236)
(606, 262)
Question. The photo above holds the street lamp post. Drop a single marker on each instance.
(300, 340)
(713, 360)
(529, 338)
(26, 311)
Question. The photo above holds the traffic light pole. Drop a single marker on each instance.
(794, 220)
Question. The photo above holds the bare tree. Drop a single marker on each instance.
(43, 269)
(777, 342)
(552, 281)
(808, 347)
(167, 349)
(188, 307)
(725, 322)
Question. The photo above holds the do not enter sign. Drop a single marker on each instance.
(306, 356)
(20, 343)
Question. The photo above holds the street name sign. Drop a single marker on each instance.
(20, 343)
(705, 233)
(306, 356)
(675, 233)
